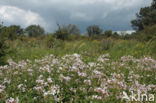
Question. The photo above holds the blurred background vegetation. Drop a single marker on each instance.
(33, 42)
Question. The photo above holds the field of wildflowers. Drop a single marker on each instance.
(70, 79)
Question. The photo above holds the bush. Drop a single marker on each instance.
(145, 35)
(108, 33)
(61, 34)
(3, 51)
(93, 30)
(12, 32)
(152, 46)
(150, 30)
(106, 44)
(115, 35)
(50, 42)
(34, 30)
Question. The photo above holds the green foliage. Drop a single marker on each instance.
(3, 51)
(108, 33)
(50, 42)
(72, 29)
(146, 17)
(56, 66)
(77, 37)
(11, 32)
(3, 46)
(22, 37)
(33, 48)
(93, 30)
(153, 4)
(150, 30)
(61, 33)
(115, 35)
(152, 46)
(34, 30)
(106, 44)
(147, 34)
(65, 32)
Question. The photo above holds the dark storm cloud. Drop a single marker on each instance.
(109, 14)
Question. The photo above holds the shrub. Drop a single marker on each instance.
(61, 33)
(147, 34)
(106, 44)
(34, 30)
(152, 46)
(3, 51)
(108, 33)
(93, 30)
(50, 42)
(12, 32)
(115, 35)
(150, 30)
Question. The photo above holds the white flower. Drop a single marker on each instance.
(54, 90)
(65, 78)
(76, 55)
(91, 64)
(96, 97)
(38, 88)
(49, 80)
(87, 82)
(19, 86)
(81, 74)
(12, 100)
(2, 88)
(101, 90)
(40, 81)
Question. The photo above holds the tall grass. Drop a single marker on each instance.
(35, 48)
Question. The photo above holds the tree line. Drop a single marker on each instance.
(12, 32)
(145, 18)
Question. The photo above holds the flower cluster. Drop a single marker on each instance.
(70, 79)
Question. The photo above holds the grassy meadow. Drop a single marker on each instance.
(90, 49)
(69, 64)
(78, 71)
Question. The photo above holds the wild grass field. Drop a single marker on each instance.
(69, 64)
(78, 71)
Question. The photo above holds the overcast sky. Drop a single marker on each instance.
(108, 14)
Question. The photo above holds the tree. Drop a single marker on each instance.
(93, 30)
(72, 29)
(34, 30)
(61, 33)
(11, 32)
(14, 31)
(154, 4)
(115, 35)
(64, 31)
(146, 17)
(108, 33)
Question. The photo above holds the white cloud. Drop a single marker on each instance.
(80, 16)
(15, 15)
(82, 12)
(94, 9)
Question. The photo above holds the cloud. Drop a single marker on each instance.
(80, 16)
(109, 14)
(15, 15)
